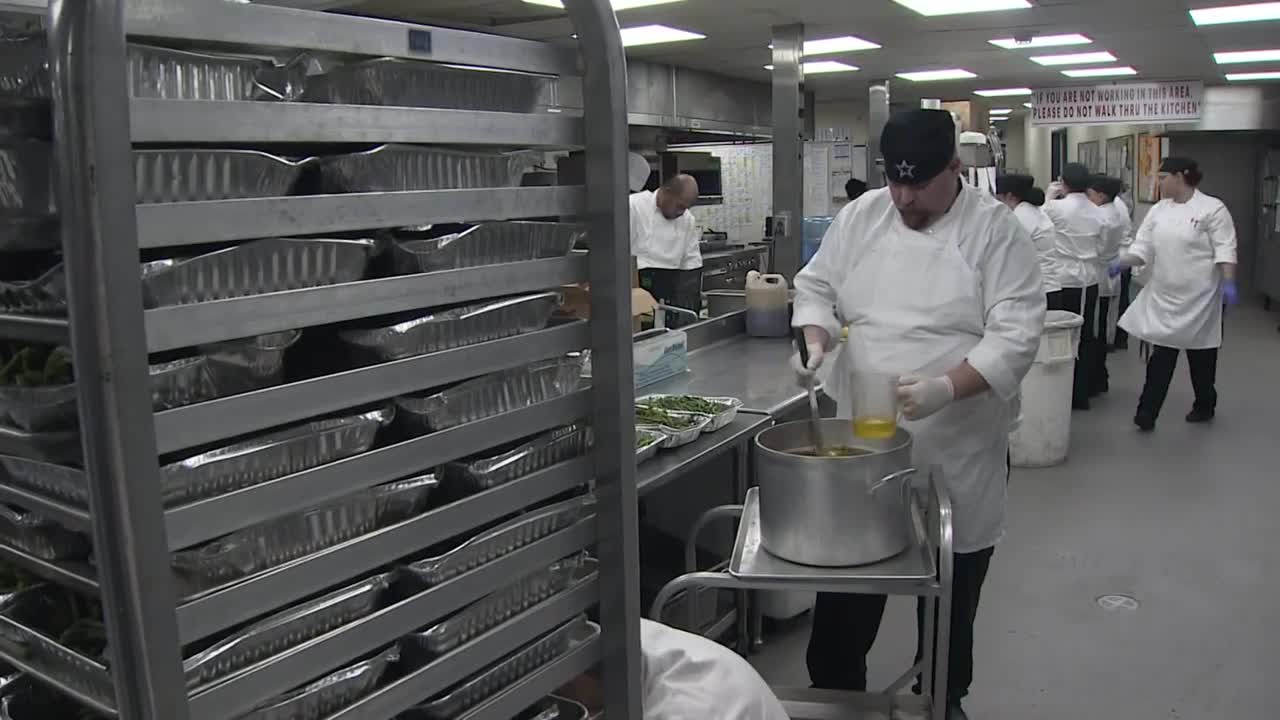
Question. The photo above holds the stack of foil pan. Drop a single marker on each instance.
(412, 83)
(482, 472)
(490, 243)
(393, 168)
(40, 537)
(30, 620)
(189, 174)
(329, 694)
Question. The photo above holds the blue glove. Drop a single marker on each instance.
(1115, 268)
(1230, 292)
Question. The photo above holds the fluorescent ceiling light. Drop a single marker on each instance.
(1099, 72)
(1026, 105)
(1074, 58)
(1003, 92)
(819, 67)
(998, 118)
(1236, 13)
(617, 4)
(1248, 56)
(931, 75)
(1000, 111)
(654, 34)
(1271, 75)
(1041, 41)
(844, 43)
(957, 7)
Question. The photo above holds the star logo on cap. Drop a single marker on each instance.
(906, 170)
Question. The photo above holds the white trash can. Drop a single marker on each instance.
(1044, 436)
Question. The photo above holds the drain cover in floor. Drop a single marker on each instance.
(1117, 602)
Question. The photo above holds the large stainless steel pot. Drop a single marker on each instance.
(832, 511)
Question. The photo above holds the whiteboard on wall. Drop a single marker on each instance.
(746, 179)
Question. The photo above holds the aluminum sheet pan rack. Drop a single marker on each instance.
(40, 537)
(329, 694)
(284, 539)
(495, 679)
(419, 250)
(32, 622)
(451, 327)
(26, 178)
(489, 395)
(49, 447)
(23, 698)
(182, 175)
(392, 168)
(412, 83)
(24, 118)
(221, 470)
(460, 478)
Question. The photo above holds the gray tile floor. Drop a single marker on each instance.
(1185, 520)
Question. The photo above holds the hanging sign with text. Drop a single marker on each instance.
(1124, 103)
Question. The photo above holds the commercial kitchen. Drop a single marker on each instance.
(394, 424)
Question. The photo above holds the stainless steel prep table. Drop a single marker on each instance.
(669, 465)
(754, 370)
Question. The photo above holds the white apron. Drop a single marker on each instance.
(914, 306)
(1180, 305)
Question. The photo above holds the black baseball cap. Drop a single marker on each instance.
(1178, 165)
(917, 145)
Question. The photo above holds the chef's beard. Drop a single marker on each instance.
(915, 219)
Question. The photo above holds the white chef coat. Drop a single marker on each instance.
(1038, 224)
(1116, 228)
(1077, 240)
(660, 243)
(688, 677)
(1182, 244)
(921, 302)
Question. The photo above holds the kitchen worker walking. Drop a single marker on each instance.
(940, 284)
(664, 241)
(1026, 200)
(1189, 241)
(1104, 192)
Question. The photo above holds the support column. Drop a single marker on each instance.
(788, 148)
(877, 116)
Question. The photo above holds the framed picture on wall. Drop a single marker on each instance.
(1120, 164)
(1151, 151)
(1089, 155)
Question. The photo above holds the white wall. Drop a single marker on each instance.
(851, 114)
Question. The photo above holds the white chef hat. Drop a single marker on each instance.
(637, 171)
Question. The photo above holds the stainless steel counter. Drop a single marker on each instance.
(668, 465)
(755, 370)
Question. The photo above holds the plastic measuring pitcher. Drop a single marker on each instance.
(874, 399)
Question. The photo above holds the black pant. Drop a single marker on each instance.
(677, 288)
(845, 627)
(1091, 358)
(1160, 367)
(1122, 337)
(1102, 378)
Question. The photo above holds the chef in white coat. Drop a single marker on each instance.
(939, 284)
(664, 241)
(1026, 201)
(1104, 192)
(1188, 240)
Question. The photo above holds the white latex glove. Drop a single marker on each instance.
(921, 397)
(805, 374)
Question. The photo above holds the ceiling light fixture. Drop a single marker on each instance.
(932, 75)
(1074, 58)
(998, 118)
(957, 7)
(617, 4)
(1041, 41)
(819, 67)
(1026, 105)
(1000, 111)
(654, 34)
(844, 43)
(1269, 75)
(1254, 12)
(1099, 72)
(1003, 92)
(1248, 56)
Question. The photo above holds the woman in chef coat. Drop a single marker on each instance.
(940, 285)
(1189, 241)
(1025, 200)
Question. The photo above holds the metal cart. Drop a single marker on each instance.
(101, 122)
(923, 570)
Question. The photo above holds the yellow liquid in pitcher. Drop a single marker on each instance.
(875, 428)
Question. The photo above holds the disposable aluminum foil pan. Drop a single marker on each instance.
(553, 707)
(26, 177)
(411, 83)
(679, 437)
(482, 472)
(501, 540)
(489, 395)
(719, 420)
(454, 327)
(492, 610)
(391, 168)
(181, 175)
(59, 482)
(165, 73)
(288, 538)
(329, 694)
(41, 537)
(24, 67)
(52, 447)
(498, 677)
(45, 294)
(648, 441)
(29, 622)
(38, 409)
(491, 243)
(254, 268)
(286, 630)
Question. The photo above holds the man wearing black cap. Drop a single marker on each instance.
(940, 285)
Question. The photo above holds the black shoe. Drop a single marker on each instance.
(1145, 423)
(1199, 416)
(955, 712)
(1080, 405)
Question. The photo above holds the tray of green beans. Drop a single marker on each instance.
(721, 410)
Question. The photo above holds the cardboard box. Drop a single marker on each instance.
(576, 302)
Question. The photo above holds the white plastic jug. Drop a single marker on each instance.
(767, 313)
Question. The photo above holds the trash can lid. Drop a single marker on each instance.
(1062, 320)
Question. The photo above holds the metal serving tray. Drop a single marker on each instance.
(412, 83)
(41, 537)
(648, 441)
(502, 540)
(30, 621)
(452, 327)
(419, 250)
(719, 420)
(166, 73)
(180, 175)
(678, 437)
(481, 472)
(290, 537)
(26, 178)
(492, 610)
(489, 395)
(329, 694)
(391, 168)
(253, 268)
(523, 662)
(287, 629)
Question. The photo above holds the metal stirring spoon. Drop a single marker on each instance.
(815, 427)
